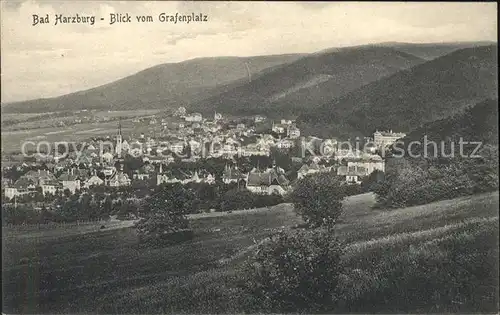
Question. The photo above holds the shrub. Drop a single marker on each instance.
(165, 216)
(162, 228)
(353, 189)
(318, 199)
(422, 180)
(371, 182)
(294, 272)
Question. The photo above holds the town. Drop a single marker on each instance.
(261, 156)
(277, 158)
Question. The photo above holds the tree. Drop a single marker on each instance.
(70, 209)
(295, 271)
(67, 193)
(106, 206)
(131, 163)
(237, 199)
(318, 199)
(164, 213)
(371, 181)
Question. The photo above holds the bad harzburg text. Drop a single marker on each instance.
(114, 18)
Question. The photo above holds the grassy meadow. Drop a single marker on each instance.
(435, 258)
(13, 136)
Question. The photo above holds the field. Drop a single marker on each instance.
(19, 117)
(43, 130)
(441, 257)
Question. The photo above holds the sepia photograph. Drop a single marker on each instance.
(249, 157)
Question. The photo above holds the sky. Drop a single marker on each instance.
(48, 60)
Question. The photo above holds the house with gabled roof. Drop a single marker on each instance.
(352, 174)
(50, 187)
(69, 181)
(313, 168)
(39, 176)
(94, 180)
(232, 175)
(370, 162)
(118, 179)
(271, 181)
(23, 185)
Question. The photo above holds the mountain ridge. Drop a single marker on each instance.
(152, 87)
(408, 98)
(201, 83)
(347, 69)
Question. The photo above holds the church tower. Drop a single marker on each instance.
(119, 139)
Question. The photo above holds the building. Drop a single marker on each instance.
(259, 118)
(217, 116)
(22, 186)
(254, 149)
(94, 180)
(119, 148)
(39, 176)
(177, 147)
(293, 132)
(383, 139)
(329, 147)
(69, 181)
(50, 187)
(352, 175)
(196, 147)
(279, 128)
(141, 176)
(108, 171)
(370, 162)
(359, 167)
(271, 181)
(107, 157)
(313, 168)
(118, 179)
(232, 175)
(209, 179)
(194, 117)
(285, 144)
(166, 179)
(181, 111)
(345, 154)
(84, 159)
(10, 192)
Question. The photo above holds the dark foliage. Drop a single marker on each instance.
(420, 181)
(423, 93)
(294, 272)
(164, 215)
(318, 199)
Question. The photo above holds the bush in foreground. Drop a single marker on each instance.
(294, 272)
(318, 199)
(421, 181)
(165, 220)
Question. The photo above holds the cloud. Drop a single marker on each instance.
(48, 60)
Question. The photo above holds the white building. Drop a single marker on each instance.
(362, 166)
(217, 116)
(49, 188)
(293, 132)
(93, 181)
(181, 111)
(272, 181)
(279, 128)
(259, 118)
(313, 168)
(369, 162)
(195, 117)
(177, 147)
(285, 144)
